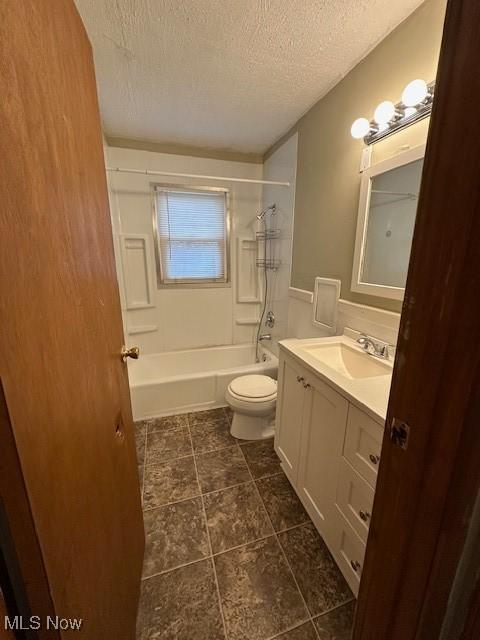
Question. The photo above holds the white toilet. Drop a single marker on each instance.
(253, 400)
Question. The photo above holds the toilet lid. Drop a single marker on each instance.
(254, 386)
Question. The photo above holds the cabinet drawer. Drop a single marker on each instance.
(355, 499)
(349, 551)
(363, 444)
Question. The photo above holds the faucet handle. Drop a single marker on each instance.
(384, 351)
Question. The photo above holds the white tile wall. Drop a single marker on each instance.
(375, 322)
(282, 166)
(190, 318)
(183, 318)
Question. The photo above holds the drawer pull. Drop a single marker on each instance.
(306, 385)
(355, 565)
(300, 378)
(364, 515)
(374, 459)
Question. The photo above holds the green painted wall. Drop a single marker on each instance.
(328, 180)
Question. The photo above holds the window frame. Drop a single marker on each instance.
(190, 283)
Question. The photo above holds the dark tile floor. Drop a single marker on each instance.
(230, 552)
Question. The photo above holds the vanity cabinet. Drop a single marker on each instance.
(291, 392)
(330, 451)
(323, 433)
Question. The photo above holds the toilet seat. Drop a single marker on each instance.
(253, 388)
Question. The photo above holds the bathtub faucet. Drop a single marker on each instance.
(265, 336)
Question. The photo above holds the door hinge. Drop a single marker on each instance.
(399, 433)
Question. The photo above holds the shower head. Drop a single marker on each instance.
(272, 208)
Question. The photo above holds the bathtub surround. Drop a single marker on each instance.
(173, 318)
(327, 183)
(230, 552)
(281, 165)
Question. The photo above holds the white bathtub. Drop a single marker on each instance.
(179, 381)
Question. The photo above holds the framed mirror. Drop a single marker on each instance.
(386, 218)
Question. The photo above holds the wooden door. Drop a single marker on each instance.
(66, 428)
(288, 429)
(425, 515)
(325, 419)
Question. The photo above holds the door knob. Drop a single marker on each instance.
(132, 352)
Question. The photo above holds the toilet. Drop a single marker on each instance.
(253, 399)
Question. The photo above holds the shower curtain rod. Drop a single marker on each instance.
(196, 175)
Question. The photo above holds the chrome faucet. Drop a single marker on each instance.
(265, 336)
(374, 347)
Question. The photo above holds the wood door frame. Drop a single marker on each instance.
(20, 545)
(69, 477)
(426, 494)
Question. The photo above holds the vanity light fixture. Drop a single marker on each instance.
(384, 112)
(416, 104)
(360, 128)
(414, 93)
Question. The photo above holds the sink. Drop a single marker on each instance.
(350, 362)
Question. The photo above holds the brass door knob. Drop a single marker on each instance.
(132, 352)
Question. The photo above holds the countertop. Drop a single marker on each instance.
(368, 394)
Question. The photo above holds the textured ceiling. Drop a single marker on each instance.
(226, 74)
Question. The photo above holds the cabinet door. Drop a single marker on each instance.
(363, 444)
(288, 429)
(323, 435)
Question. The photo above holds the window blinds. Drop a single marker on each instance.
(191, 235)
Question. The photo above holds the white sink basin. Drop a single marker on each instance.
(347, 361)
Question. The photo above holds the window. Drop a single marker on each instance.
(191, 228)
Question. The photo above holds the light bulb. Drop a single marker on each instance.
(414, 93)
(409, 111)
(360, 128)
(384, 112)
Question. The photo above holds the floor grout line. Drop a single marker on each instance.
(228, 446)
(337, 606)
(151, 464)
(211, 555)
(284, 554)
(269, 535)
(219, 597)
(179, 566)
(224, 551)
(296, 626)
(207, 493)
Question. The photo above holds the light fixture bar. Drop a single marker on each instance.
(403, 114)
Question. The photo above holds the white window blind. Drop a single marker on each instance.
(191, 235)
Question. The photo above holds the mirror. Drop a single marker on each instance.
(386, 218)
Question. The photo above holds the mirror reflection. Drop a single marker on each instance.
(391, 219)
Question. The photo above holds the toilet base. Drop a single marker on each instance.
(247, 427)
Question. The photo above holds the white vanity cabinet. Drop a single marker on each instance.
(288, 428)
(323, 433)
(330, 450)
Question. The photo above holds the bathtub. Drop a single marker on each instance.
(172, 382)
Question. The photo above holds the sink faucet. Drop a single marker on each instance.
(265, 336)
(374, 347)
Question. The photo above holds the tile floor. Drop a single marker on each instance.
(230, 552)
